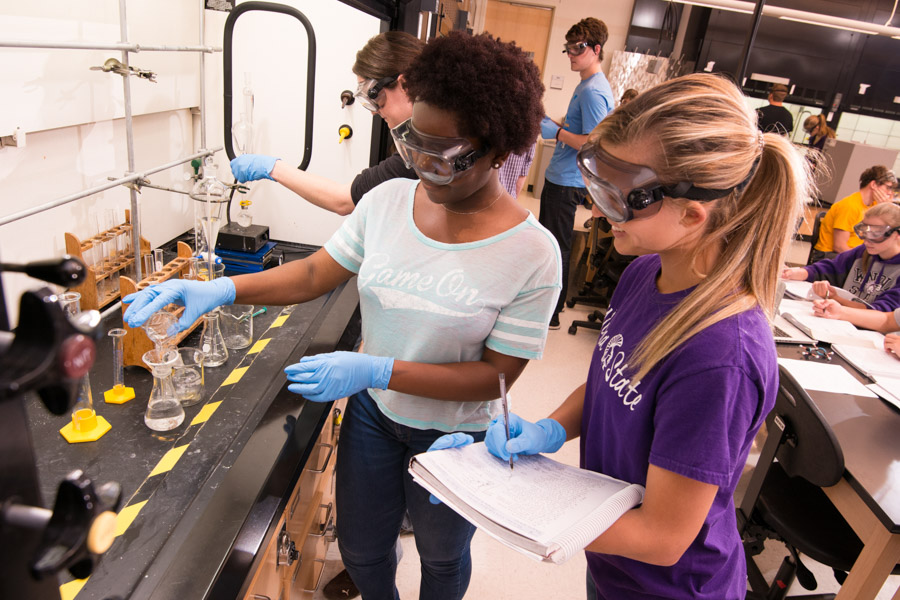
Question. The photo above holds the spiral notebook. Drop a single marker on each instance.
(544, 509)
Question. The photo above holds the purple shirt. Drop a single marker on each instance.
(696, 414)
(877, 284)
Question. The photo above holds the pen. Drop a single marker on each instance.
(505, 403)
(256, 314)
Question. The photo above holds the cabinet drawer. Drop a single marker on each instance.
(268, 581)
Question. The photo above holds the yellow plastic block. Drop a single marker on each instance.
(85, 428)
(118, 395)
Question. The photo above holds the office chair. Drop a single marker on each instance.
(784, 500)
(814, 236)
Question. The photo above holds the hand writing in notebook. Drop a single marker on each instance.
(547, 435)
(892, 344)
(821, 289)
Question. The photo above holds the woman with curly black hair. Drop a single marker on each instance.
(456, 281)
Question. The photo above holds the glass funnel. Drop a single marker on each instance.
(210, 200)
(212, 342)
(164, 410)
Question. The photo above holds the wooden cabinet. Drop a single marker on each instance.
(294, 558)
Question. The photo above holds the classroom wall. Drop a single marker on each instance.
(75, 133)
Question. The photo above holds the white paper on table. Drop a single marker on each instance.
(888, 388)
(825, 377)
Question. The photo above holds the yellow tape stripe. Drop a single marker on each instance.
(279, 321)
(127, 515)
(168, 460)
(235, 376)
(205, 413)
(69, 590)
(258, 346)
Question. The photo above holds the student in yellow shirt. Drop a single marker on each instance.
(836, 235)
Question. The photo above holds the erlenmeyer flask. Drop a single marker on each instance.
(212, 342)
(164, 410)
(161, 329)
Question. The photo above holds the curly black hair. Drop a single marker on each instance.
(492, 87)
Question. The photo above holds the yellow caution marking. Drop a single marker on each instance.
(279, 321)
(127, 515)
(69, 590)
(168, 460)
(205, 413)
(235, 376)
(258, 346)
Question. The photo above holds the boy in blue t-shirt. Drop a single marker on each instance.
(592, 100)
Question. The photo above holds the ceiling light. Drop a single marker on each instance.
(820, 24)
(709, 5)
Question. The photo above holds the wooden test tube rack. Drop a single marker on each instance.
(93, 297)
(136, 342)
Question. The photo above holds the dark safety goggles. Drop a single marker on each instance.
(435, 159)
(368, 91)
(873, 233)
(607, 179)
(576, 49)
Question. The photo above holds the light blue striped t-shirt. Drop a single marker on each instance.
(432, 302)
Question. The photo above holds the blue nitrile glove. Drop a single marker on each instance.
(198, 298)
(250, 167)
(327, 377)
(451, 440)
(548, 128)
(525, 437)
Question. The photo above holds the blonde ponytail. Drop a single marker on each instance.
(708, 136)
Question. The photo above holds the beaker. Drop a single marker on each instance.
(212, 343)
(164, 411)
(161, 328)
(118, 394)
(187, 376)
(203, 271)
(237, 325)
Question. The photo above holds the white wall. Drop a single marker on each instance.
(76, 138)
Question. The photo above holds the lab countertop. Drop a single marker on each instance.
(200, 500)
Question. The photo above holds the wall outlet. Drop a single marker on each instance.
(556, 82)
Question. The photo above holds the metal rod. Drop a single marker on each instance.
(105, 186)
(748, 43)
(203, 85)
(129, 144)
(125, 47)
(147, 184)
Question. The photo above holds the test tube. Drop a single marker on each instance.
(119, 394)
(158, 260)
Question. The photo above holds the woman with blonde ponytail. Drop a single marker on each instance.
(685, 369)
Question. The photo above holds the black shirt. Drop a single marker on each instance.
(392, 167)
(775, 119)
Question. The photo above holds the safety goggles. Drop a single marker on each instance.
(576, 49)
(368, 91)
(624, 191)
(874, 233)
(435, 159)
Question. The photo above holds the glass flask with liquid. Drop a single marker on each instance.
(212, 342)
(164, 410)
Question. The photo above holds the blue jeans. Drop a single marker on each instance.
(374, 490)
(558, 205)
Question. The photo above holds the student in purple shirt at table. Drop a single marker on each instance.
(684, 371)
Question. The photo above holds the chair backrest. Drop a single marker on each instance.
(809, 448)
(814, 236)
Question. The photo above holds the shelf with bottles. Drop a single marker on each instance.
(136, 342)
(107, 255)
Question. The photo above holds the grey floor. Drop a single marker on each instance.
(499, 572)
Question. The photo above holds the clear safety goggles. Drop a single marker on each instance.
(435, 159)
(874, 233)
(607, 178)
(576, 49)
(368, 91)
